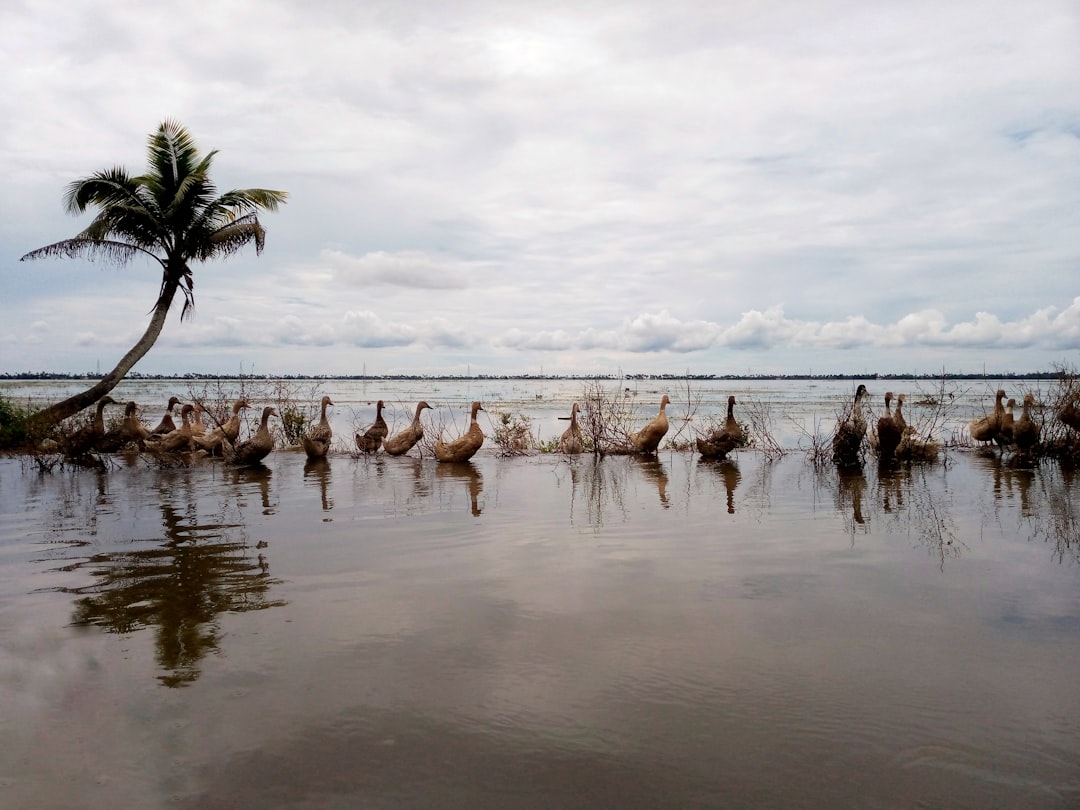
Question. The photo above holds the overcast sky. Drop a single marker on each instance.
(580, 187)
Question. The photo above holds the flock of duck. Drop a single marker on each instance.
(191, 436)
(194, 435)
(894, 439)
(891, 438)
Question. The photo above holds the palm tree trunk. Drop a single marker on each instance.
(72, 405)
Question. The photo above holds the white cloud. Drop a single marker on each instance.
(412, 269)
(596, 183)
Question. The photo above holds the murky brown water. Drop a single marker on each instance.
(538, 633)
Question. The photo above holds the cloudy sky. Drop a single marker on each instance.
(577, 187)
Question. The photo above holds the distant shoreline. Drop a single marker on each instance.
(49, 376)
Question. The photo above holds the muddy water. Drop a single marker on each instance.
(536, 633)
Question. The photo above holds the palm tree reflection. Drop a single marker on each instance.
(177, 584)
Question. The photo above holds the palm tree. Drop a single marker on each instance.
(172, 214)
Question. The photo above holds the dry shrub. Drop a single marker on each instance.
(1056, 439)
(606, 418)
(513, 434)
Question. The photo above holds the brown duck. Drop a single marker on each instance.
(571, 442)
(89, 435)
(989, 426)
(180, 440)
(847, 441)
(317, 440)
(464, 447)
(372, 438)
(227, 432)
(258, 447)
(648, 438)
(1069, 415)
(130, 431)
(401, 443)
(167, 425)
(889, 433)
(1025, 430)
(721, 442)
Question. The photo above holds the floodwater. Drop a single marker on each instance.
(538, 632)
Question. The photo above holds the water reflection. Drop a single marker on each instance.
(653, 470)
(907, 501)
(464, 471)
(178, 584)
(317, 473)
(249, 480)
(728, 473)
(602, 482)
(1053, 519)
(851, 486)
(1008, 482)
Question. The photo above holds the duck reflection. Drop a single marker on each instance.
(728, 473)
(177, 584)
(1009, 481)
(851, 486)
(914, 505)
(246, 480)
(317, 473)
(1055, 518)
(894, 481)
(464, 471)
(653, 469)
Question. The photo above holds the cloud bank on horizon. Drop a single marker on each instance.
(713, 187)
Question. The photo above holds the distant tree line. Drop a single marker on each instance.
(135, 375)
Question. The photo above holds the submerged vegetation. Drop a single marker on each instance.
(14, 428)
(924, 422)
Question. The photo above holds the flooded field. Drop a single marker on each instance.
(538, 632)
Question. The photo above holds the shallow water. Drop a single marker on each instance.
(533, 632)
(793, 411)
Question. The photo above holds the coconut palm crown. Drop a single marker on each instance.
(173, 214)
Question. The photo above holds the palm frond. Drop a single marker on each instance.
(102, 189)
(110, 251)
(228, 239)
(264, 198)
(172, 153)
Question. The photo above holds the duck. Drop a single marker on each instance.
(914, 449)
(89, 435)
(464, 447)
(167, 425)
(1025, 430)
(648, 438)
(719, 443)
(130, 431)
(214, 441)
(986, 428)
(847, 441)
(372, 438)
(571, 441)
(198, 427)
(180, 440)
(1069, 414)
(317, 440)
(898, 413)
(889, 433)
(258, 447)
(401, 443)
(1004, 437)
